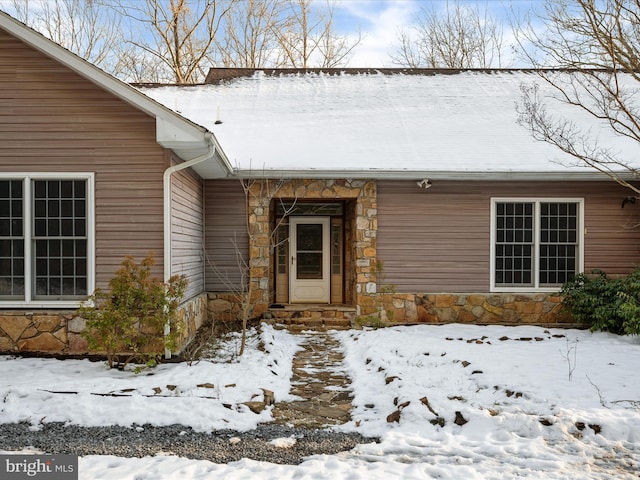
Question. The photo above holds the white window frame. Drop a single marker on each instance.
(27, 178)
(536, 242)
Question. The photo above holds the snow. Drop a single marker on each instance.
(169, 394)
(524, 391)
(464, 122)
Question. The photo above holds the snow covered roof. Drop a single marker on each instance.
(376, 124)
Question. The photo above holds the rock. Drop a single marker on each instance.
(14, 326)
(460, 420)
(255, 407)
(206, 385)
(390, 379)
(269, 398)
(76, 325)
(6, 344)
(394, 417)
(425, 402)
(44, 342)
(46, 323)
(77, 344)
(596, 428)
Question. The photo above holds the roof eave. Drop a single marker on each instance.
(466, 175)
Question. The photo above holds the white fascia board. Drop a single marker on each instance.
(173, 133)
(171, 128)
(432, 175)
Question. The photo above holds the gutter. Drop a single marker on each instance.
(467, 175)
(166, 183)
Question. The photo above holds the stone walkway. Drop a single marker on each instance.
(321, 382)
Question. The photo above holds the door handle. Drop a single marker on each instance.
(293, 260)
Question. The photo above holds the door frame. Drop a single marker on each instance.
(318, 290)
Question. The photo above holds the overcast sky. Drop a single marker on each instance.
(380, 20)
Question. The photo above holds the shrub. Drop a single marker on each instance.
(603, 303)
(128, 321)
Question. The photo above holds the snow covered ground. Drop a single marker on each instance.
(544, 404)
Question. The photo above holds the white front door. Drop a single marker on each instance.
(309, 275)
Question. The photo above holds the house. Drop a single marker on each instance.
(336, 196)
(411, 194)
(91, 171)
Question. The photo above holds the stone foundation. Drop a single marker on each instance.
(59, 332)
(41, 331)
(480, 308)
(193, 314)
(408, 308)
(224, 307)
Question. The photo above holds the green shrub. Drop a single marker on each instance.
(603, 303)
(128, 321)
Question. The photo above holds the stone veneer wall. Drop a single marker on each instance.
(193, 313)
(41, 331)
(363, 227)
(59, 332)
(492, 308)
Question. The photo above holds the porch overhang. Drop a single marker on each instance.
(467, 175)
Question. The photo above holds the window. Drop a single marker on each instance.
(536, 244)
(11, 239)
(45, 239)
(336, 247)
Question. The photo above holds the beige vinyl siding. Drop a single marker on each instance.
(225, 234)
(53, 120)
(187, 231)
(612, 241)
(438, 240)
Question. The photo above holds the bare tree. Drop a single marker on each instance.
(178, 40)
(249, 284)
(250, 34)
(84, 27)
(174, 38)
(596, 47)
(308, 38)
(460, 36)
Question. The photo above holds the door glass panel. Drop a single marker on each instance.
(282, 238)
(309, 251)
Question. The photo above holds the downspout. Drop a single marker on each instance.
(166, 182)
